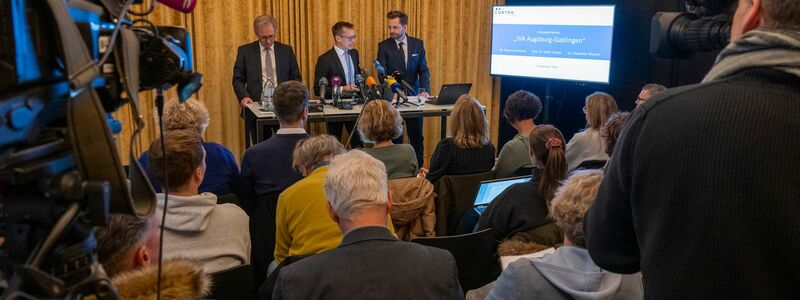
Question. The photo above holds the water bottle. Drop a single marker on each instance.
(422, 98)
(266, 95)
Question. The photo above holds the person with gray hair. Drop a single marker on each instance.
(370, 262)
(702, 192)
(648, 91)
(261, 61)
(222, 174)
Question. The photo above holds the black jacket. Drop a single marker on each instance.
(247, 69)
(329, 65)
(702, 193)
(372, 264)
(416, 73)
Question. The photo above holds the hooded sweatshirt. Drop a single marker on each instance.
(568, 273)
(215, 235)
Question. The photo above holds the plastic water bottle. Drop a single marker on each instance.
(422, 99)
(266, 95)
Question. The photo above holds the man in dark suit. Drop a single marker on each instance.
(260, 61)
(370, 262)
(406, 54)
(342, 61)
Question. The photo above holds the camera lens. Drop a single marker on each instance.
(692, 34)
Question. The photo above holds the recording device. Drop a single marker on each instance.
(323, 84)
(381, 71)
(706, 26)
(360, 83)
(60, 173)
(400, 79)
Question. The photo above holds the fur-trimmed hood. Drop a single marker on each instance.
(181, 279)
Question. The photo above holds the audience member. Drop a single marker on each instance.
(569, 272)
(267, 170)
(649, 91)
(196, 227)
(612, 129)
(469, 150)
(587, 147)
(520, 212)
(302, 222)
(379, 124)
(521, 108)
(370, 262)
(223, 173)
(128, 250)
(702, 191)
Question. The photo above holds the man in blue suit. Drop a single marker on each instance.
(406, 54)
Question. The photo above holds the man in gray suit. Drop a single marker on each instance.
(370, 262)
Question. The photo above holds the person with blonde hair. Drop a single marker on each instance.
(222, 175)
(468, 151)
(569, 272)
(587, 149)
(379, 124)
(520, 211)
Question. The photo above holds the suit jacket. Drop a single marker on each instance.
(247, 69)
(371, 263)
(329, 65)
(416, 72)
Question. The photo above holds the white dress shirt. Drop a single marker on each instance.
(264, 74)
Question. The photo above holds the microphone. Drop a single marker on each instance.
(323, 84)
(360, 83)
(372, 83)
(380, 69)
(336, 82)
(399, 77)
(397, 90)
(184, 6)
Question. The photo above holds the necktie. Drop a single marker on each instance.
(403, 52)
(349, 76)
(267, 67)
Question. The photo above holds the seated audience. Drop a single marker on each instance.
(128, 250)
(649, 91)
(370, 262)
(587, 147)
(302, 222)
(612, 129)
(267, 170)
(469, 150)
(196, 227)
(379, 124)
(223, 173)
(520, 212)
(521, 108)
(569, 272)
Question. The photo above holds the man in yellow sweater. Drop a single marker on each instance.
(303, 224)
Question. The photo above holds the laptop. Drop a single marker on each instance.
(450, 93)
(489, 190)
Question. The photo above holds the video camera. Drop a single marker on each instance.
(65, 67)
(706, 26)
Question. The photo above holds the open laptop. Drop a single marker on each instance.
(450, 93)
(489, 190)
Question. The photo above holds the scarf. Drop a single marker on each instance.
(765, 48)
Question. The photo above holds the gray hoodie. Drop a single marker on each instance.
(569, 273)
(218, 236)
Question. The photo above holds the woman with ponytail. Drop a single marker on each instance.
(520, 212)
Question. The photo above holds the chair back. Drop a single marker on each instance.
(235, 283)
(475, 253)
(456, 196)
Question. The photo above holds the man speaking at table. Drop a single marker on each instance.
(260, 61)
(406, 54)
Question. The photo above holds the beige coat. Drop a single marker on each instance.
(413, 210)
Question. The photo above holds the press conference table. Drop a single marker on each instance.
(332, 114)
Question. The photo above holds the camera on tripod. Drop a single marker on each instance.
(705, 26)
(66, 65)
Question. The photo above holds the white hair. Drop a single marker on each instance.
(355, 180)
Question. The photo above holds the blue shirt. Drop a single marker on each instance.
(222, 173)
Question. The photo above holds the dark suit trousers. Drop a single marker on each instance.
(335, 129)
(414, 129)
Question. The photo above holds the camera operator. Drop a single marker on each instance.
(702, 191)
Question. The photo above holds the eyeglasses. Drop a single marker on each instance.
(353, 37)
(267, 37)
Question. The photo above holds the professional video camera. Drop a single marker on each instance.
(706, 26)
(65, 65)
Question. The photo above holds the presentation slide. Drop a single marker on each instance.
(553, 42)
